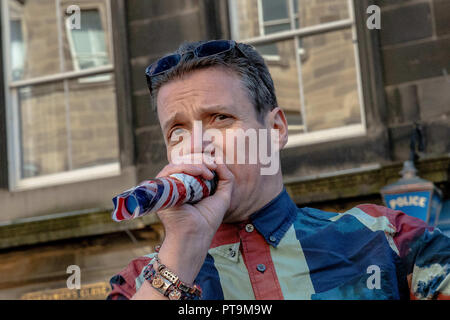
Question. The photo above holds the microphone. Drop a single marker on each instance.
(161, 193)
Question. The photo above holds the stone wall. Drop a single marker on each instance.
(415, 40)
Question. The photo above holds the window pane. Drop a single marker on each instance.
(93, 122)
(295, 2)
(277, 28)
(43, 130)
(285, 76)
(274, 9)
(330, 81)
(17, 50)
(271, 50)
(313, 12)
(46, 121)
(268, 50)
(36, 42)
(34, 46)
(88, 45)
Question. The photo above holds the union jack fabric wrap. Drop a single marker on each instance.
(157, 194)
(285, 252)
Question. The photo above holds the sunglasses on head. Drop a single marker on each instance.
(206, 49)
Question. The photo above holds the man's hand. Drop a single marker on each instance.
(189, 229)
(204, 217)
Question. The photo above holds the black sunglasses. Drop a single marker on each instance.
(206, 49)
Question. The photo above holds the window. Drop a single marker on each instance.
(311, 50)
(61, 103)
(88, 46)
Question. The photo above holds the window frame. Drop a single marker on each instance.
(324, 135)
(13, 134)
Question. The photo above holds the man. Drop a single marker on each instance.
(249, 240)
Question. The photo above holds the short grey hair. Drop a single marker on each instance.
(250, 66)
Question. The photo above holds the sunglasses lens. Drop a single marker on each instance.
(165, 64)
(213, 47)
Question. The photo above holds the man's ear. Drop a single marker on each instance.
(277, 120)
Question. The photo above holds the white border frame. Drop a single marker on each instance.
(15, 182)
(327, 135)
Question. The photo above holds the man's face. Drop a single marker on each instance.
(216, 98)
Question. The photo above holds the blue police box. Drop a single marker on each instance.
(414, 196)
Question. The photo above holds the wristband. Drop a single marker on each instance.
(168, 283)
(191, 291)
(161, 284)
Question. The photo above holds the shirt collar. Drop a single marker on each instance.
(272, 221)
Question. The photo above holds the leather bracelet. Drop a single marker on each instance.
(162, 285)
(168, 289)
(171, 276)
(169, 284)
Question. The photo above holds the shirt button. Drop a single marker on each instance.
(249, 227)
(232, 253)
(260, 267)
(272, 239)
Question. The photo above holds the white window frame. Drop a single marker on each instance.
(319, 136)
(16, 183)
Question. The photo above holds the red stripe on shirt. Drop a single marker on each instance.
(226, 234)
(255, 250)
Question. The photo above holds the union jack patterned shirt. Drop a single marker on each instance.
(285, 252)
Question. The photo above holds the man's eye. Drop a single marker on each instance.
(221, 117)
(176, 133)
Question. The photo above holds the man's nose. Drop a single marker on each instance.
(198, 144)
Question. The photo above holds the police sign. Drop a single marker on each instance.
(414, 196)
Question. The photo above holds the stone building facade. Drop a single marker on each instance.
(76, 125)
